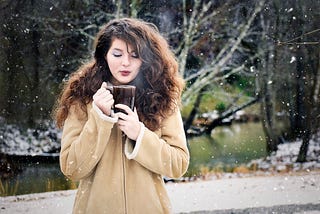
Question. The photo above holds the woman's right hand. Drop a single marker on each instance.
(103, 99)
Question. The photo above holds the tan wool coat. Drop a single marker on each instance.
(118, 176)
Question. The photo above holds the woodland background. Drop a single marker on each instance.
(232, 54)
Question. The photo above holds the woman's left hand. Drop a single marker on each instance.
(128, 123)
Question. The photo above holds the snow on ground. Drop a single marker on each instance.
(39, 141)
(284, 159)
(298, 192)
(46, 140)
(298, 183)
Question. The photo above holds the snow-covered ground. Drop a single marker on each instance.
(45, 140)
(296, 184)
(40, 141)
(284, 159)
(288, 193)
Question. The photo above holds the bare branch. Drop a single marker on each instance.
(291, 41)
(207, 74)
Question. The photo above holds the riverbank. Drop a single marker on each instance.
(297, 192)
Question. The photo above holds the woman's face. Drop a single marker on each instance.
(124, 63)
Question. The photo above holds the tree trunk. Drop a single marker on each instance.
(302, 156)
(219, 121)
(267, 99)
(195, 110)
(312, 113)
(34, 69)
(12, 63)
(301, 97)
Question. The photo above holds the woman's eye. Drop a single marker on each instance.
(134, 55)
(116, 55)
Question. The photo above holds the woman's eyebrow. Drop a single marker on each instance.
(117, 49)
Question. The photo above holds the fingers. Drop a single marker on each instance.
(125, 108)
(102, 90)
(104, 99)
(128, 116)
(102, 94)
(104, 85)
(129, 124)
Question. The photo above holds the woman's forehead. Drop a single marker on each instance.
(121, 44)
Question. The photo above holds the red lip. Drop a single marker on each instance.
(125, 73)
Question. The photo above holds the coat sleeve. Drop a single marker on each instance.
(84, 138)
(166, 154)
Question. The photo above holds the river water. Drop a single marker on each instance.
(225, 149)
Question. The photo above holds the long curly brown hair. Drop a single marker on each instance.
(159, 85)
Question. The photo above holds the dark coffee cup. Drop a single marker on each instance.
(123, 94)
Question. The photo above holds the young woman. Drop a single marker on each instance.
(116, 174)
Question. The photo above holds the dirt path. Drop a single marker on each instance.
(294, 192)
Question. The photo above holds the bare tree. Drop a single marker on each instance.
(197, 26)
(216, 68)
(266, 78)
(289, 75)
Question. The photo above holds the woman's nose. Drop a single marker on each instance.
(125, 61)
